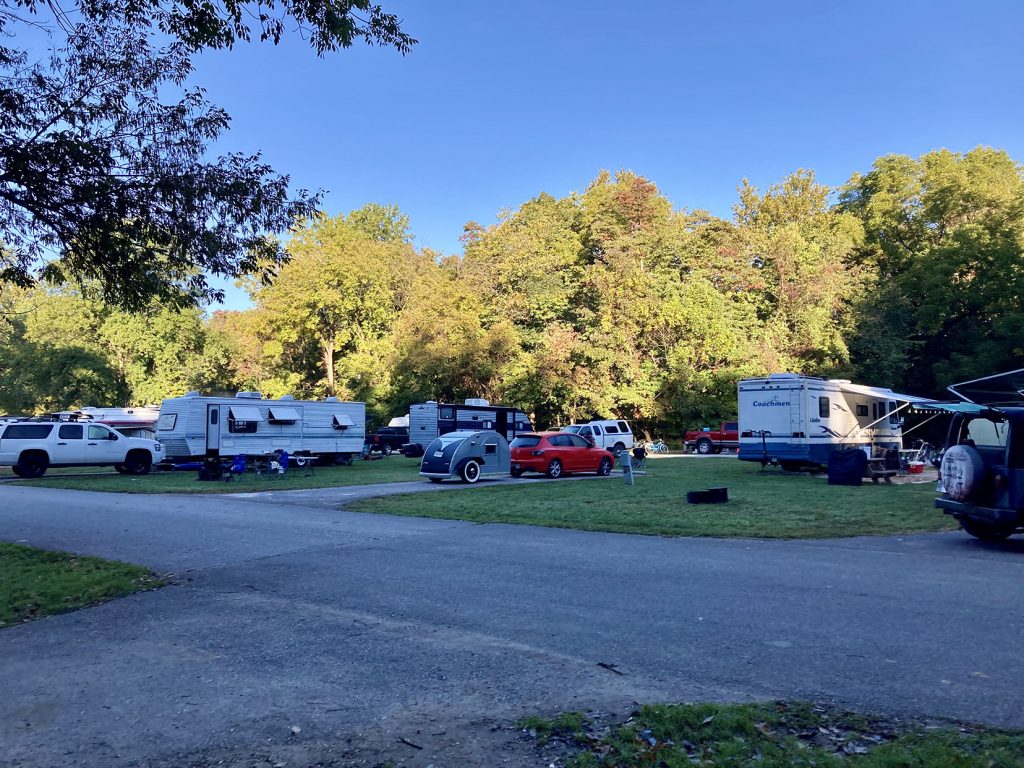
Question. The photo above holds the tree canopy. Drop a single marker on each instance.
(105, 179)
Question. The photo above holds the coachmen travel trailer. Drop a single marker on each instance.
(195, 427)
(429, 420)
(796, 420)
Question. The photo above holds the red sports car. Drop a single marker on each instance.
(558, 453)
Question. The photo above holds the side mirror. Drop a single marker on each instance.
(111, 436)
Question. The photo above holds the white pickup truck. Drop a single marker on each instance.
(31, 447)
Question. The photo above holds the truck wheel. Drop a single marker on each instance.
(386, 450)
(121, 469)
(605, 468)
(17, 470)
(704, 446)
(987, 531)
(618, 448)
(554, 469)
(470, 471)
(138, 463)
(33, 464)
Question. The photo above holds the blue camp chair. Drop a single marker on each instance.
(282, 463)
(237, 469)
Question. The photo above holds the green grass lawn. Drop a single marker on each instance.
(36, 582)
(778, 735)
(391, 469)
(769, 504)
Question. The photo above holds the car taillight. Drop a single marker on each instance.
(539, 452)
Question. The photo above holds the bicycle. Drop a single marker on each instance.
(657, 446)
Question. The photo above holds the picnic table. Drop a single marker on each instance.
(877, 470)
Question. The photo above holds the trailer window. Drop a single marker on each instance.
(446, 413)
(894, 416)
(824, 406)
(862, 409)
(490, 449)
(166, 422)
(241, 427)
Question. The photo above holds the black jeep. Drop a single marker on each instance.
(982, 472)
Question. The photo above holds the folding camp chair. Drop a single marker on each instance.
(639, 458)
(237, 469)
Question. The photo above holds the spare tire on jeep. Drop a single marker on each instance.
(963, 472)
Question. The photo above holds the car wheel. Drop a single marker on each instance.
(34, 465)
(516, 472)
(138, 463)
(704, 447)
(987, 531)
(554, 469)
(470, 472)
(605, 467)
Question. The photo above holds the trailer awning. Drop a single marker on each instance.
(882, 393)
(936, 407)
(245, 413)
(284, 413)
(1003, 388)
(343, 421)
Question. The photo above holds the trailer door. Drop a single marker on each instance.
(501, 423)
(213, 425)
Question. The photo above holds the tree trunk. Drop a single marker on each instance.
(329, 363)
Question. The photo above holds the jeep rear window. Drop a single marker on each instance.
(27, 431)
(524, 442)
(985, 433)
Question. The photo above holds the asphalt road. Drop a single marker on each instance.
(286, 611)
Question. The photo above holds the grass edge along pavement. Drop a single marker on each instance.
(36, 582)
(768, 735)
(762, 504)
(392, 469)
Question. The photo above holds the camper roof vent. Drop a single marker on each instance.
(286, 397)
(840, 381)
(250, 395)
(331, 399)
(477, 401)
(784, 376)
(192, 393)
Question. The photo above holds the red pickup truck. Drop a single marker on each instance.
(708, 440)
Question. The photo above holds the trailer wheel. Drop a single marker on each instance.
(470, 471)
(704, 446)
(434, 479)
(987, 531)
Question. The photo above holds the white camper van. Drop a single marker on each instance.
(194, 426)
(796, 420)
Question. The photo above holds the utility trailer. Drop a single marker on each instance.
(197, 427)
(796, 420)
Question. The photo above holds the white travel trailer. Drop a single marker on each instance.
(430, 420)
(193, 427)
(796, 420)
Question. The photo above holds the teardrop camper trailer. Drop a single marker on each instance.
(466, 454)
(196, 426)
(796, 420)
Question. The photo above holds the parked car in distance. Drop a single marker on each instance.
(31, 447)
(388, 439)
(713, 439)
(467, 455)
(558, 453)
(611, 434)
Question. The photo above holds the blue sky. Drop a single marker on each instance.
(503, 100)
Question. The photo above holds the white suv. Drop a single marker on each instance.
(611, 434)
(30, 447)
